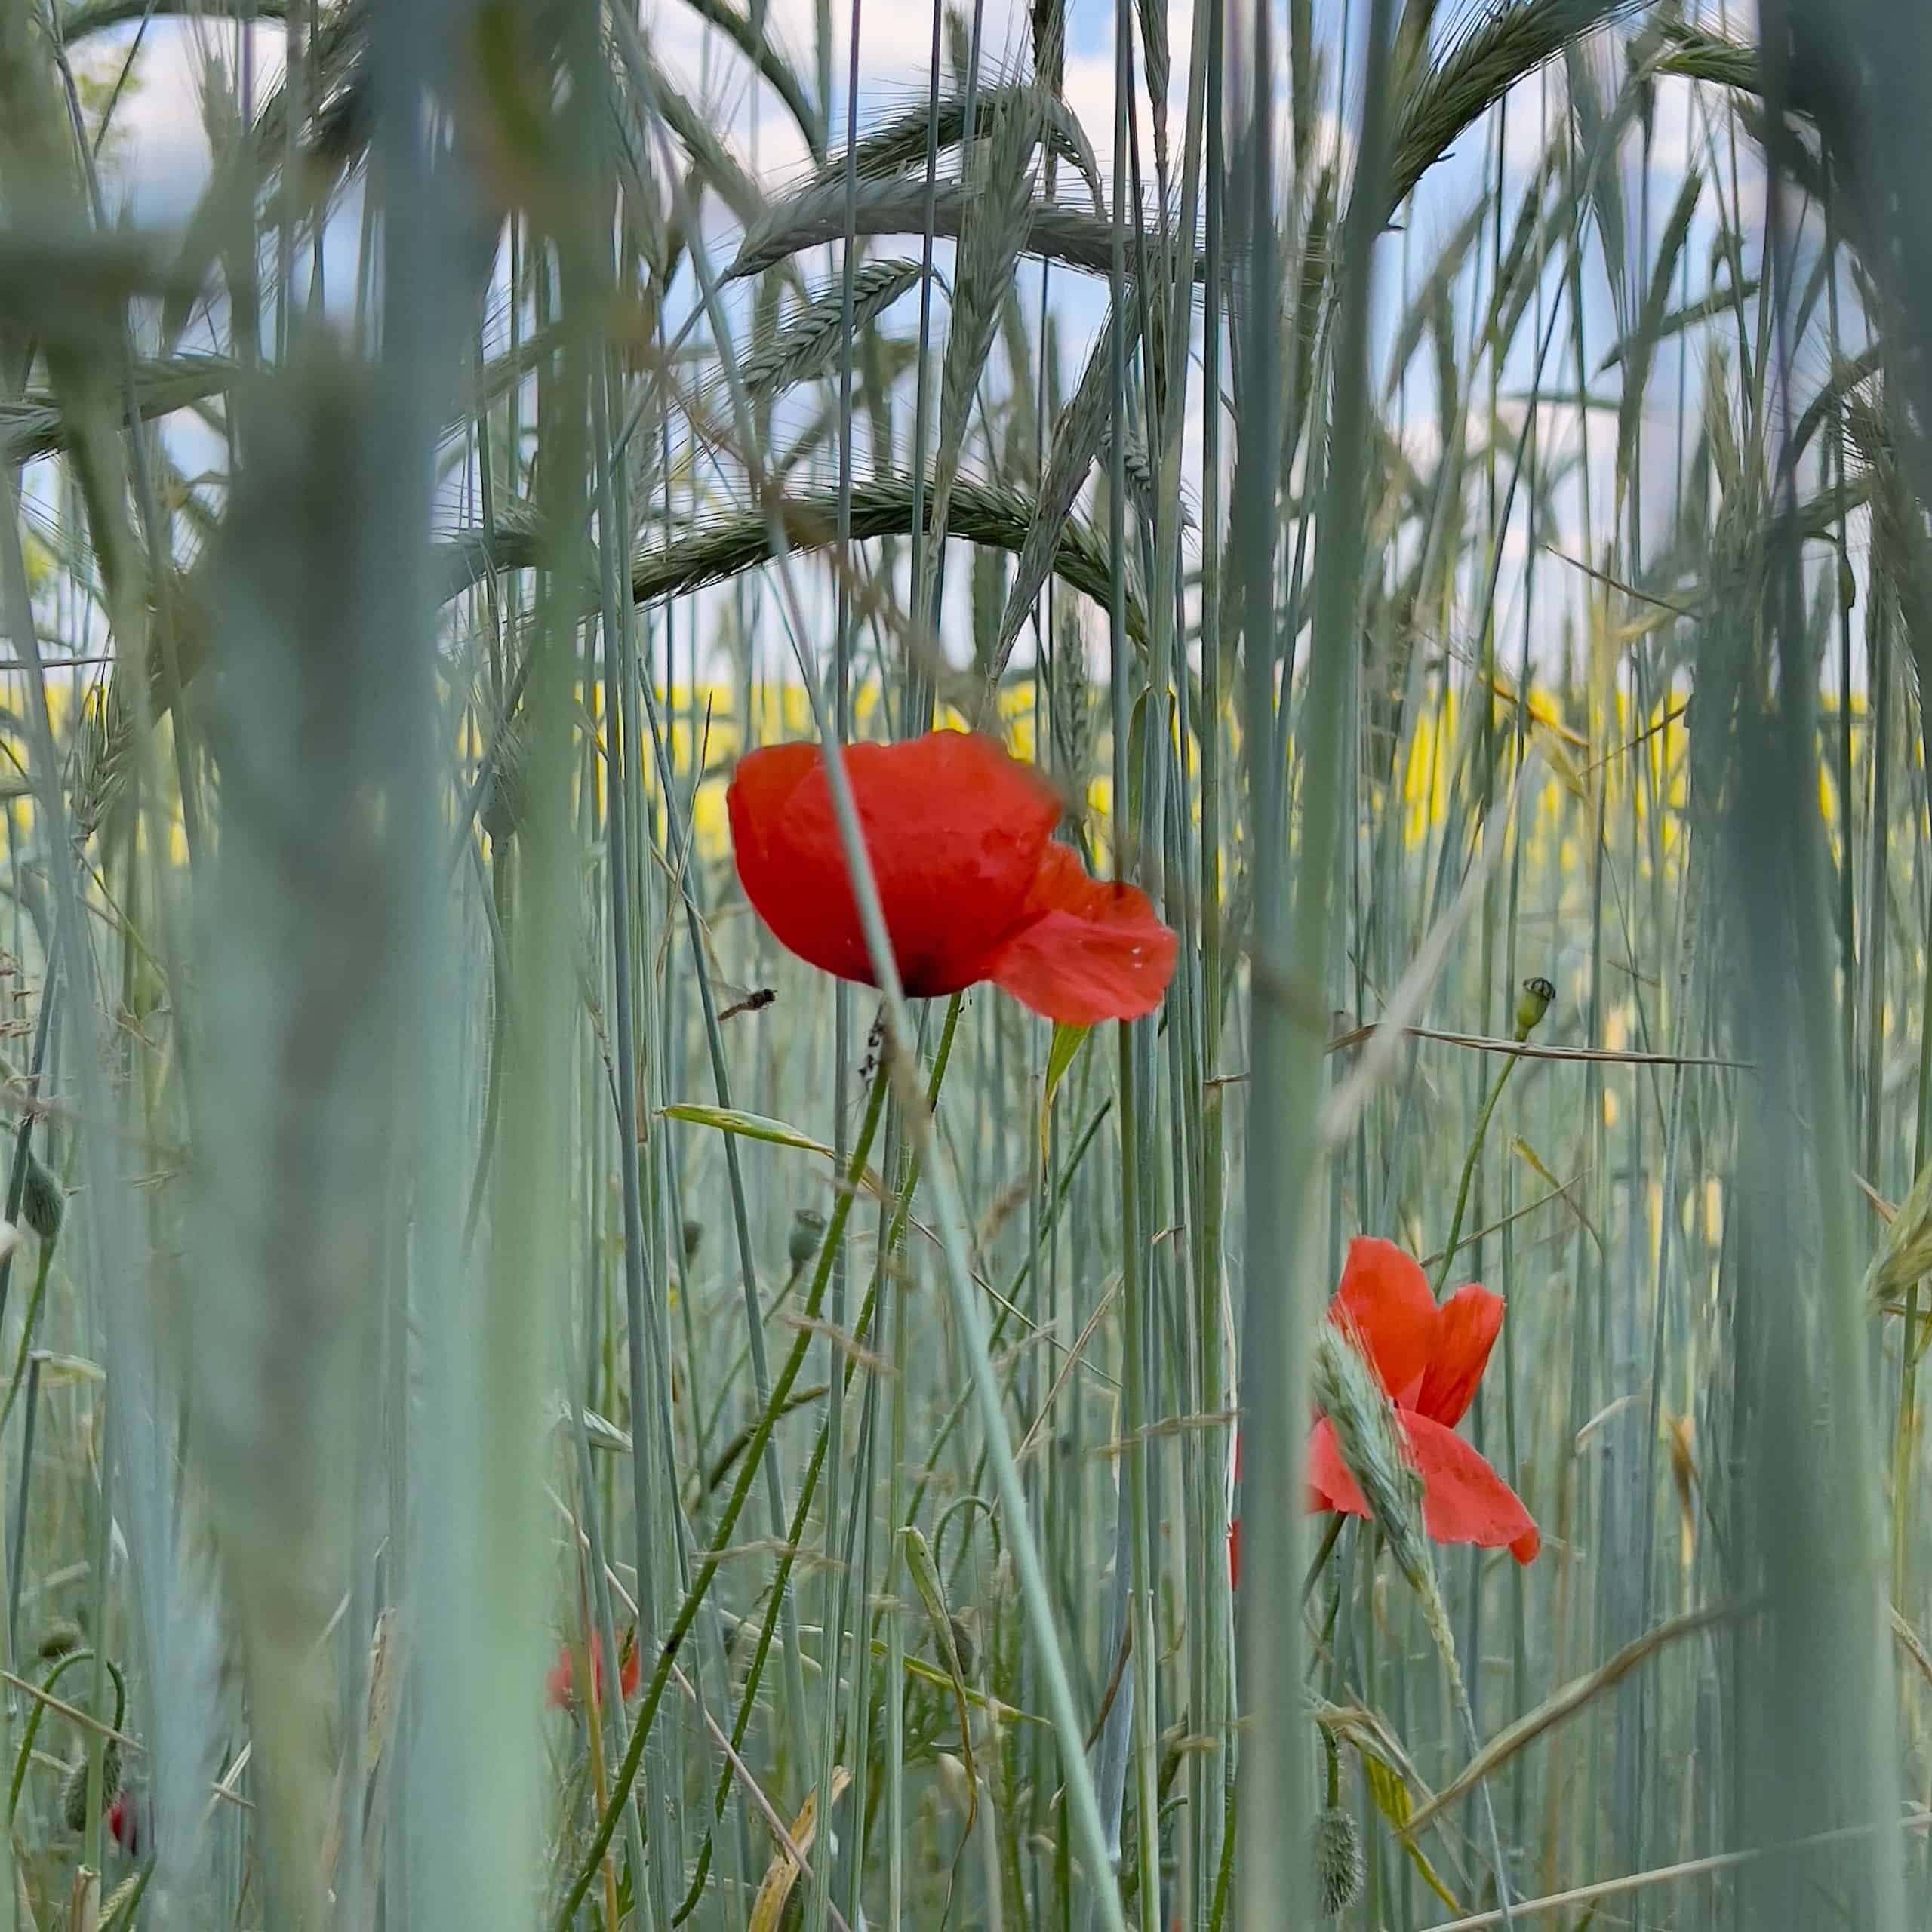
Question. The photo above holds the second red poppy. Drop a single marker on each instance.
(1430, 1359)
(560, 1687)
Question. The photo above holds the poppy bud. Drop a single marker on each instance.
(807, 1231)
(506, 800)
(74, 1791)
(1339, 1868)
(963, 1644)
(42, 1204)
(73, 1795)
(62, 1635)
(127, 1822)
(1535, 1002)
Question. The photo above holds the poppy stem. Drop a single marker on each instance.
(1536, 995)
(1329, 1536)
(1224, 1877)
(1530, 1009)
(1449, 1247)
(781, 1390)
(749, 1698)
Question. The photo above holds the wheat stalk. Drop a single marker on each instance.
(818, 215)
(898, 146)
(691, 125)
(1152, 16)
(1694, 53)
(1078, 433)
(809, 343)
(751, 36)
(1474, 72)
(1142, 485)
(740, 540)
(1369, 1432)
(989, 255)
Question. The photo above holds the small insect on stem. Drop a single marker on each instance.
(752, 1002)
(875, 1040)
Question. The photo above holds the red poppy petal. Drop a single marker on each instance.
(1386, 1296)
(1089, 952)
(808, 906)
(1060, 884)
(1330, 1484)
(1234, 1528)
(954, 827)
(1465, 1501)
(560, 1686)
(1466, 1327)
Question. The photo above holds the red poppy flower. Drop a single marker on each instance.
(972, 884)
(127, 1823)
(1429, 1359)
(560, 1687)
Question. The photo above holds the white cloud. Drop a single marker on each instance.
(156, 161)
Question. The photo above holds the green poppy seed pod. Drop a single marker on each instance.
(506, 800)
(1339, 1868)
(693, 1235)
(74, 1795)
(807, 1231)
(1537, 994)
(62, 1635)
(74, 1791)
(42, 1204)
(962, 1643)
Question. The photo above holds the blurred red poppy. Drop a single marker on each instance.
(126, 1822)
(560, 1687)
(1429, 1359)
(973, 885)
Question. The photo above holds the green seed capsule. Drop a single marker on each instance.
(962, 1642)
(1339, 1870)
(43, 1206)
(62, 1635)
(506, 800)
(807, 1231)
(1537, 994)
(74, 1791)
